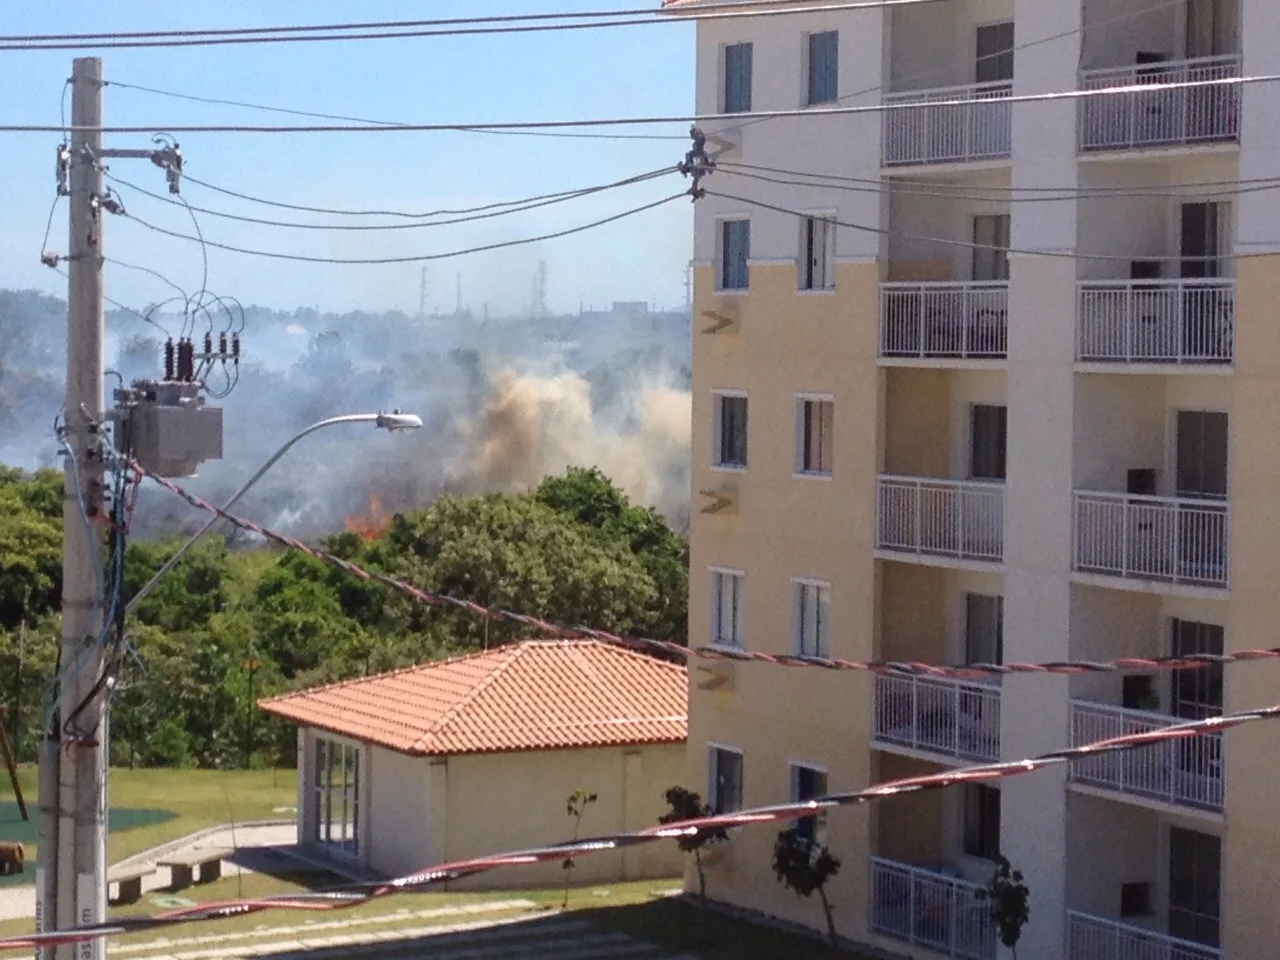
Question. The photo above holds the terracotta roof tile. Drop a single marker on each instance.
(538, 695)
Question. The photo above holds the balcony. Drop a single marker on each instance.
(944, 321)
(930, 910)
(937, 715)
(1174, 540)
(1182, 116)
(1184, 773)
(1093, 938)
(1156, 321)
(956, 519)
(948, 125)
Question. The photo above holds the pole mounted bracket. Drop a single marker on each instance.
(169, 159)
(696, 163)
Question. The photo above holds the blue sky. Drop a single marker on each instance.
(618, 72)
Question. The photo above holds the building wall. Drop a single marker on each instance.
(492, 803)
(398, 829)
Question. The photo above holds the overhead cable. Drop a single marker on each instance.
(353, 894)
(554, 630)
(1146, 89)
(418, 258)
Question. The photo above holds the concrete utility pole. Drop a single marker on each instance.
(72, 872)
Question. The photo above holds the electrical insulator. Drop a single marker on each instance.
(186, 360)
(208, 344)
(222, 345)
(235, 346)
(168, 359)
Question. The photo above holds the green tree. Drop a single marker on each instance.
(805, 866)
(687, 805)
(1008, 898)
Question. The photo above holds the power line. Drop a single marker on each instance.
(390, 123)
(422, 258)
(1001, 194)
(354, 894)
(1146, 89)
(668, 648)
(947, 241)
(408, 29)
(509, 207)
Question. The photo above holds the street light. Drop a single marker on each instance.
(392, 422)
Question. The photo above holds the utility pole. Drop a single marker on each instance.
(422, 295)
(71, 873)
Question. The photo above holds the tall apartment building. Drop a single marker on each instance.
(1025, 408)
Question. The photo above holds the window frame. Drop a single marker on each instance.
(718, 396)
(804, 260)
(340, 837)
(740, 608)
(802, 400)
(809, 78)
(723, 225)
(815, 827)
(987, 841)
(726, 106)
(798, 587)
(1002, 469)
(714, 750)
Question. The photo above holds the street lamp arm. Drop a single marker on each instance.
(387, 421)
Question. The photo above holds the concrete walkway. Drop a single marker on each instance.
(258, 846)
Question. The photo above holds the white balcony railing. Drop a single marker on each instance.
(944, 320)
(1160, 117)
(955, 718)
(963, 519)
(969, 122)
(1184, 772)
(1093, 938)
(1172, 539)
(931, 910)
(1156, 321)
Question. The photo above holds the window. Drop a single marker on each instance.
(727, 589)
(806, 784)
(737, 78)
(815, 421)
(730, 430)
(987, 437)
(981, 820)
(991, 247)
(1195, 861)
(1201, 454)
(337, 796)
(725, 780)
(1197, 694)
(813, 616)
(818, 253)
(983, 629)
(824, 56)
(735, 250)
(994, 55)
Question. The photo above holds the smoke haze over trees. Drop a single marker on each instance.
(505, 403)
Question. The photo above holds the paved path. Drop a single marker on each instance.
(258, 847)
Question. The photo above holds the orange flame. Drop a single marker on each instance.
(371, 524)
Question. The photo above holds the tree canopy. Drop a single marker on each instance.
(574, 550)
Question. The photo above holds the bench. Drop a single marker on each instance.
(128, 881)
(206, 862)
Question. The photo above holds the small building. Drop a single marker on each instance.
(478, 755)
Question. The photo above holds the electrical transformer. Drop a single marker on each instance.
(167, 427)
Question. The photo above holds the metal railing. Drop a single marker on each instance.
(963, 519)
(967, 320)
(941, 715)
(1183, 772)
(976, 129)
(930, 910)
(1093, 938)
(1156, 321)
(1161, 117)
(1174, 539)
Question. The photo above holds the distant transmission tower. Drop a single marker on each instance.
(422, 295)
(540, 290)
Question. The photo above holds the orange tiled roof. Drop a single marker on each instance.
(538, 695)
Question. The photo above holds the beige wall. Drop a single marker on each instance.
(787, 526)
(493, 803)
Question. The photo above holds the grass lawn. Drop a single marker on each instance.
(154, 806)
